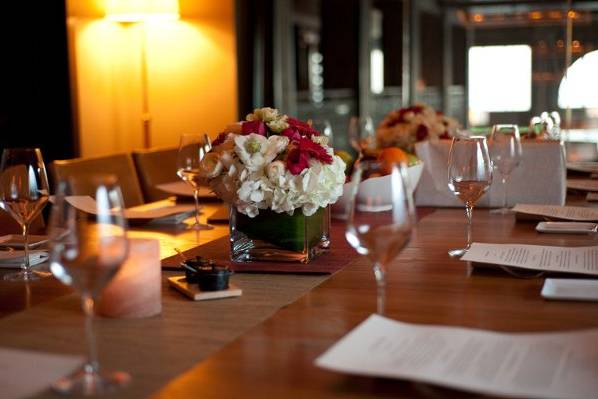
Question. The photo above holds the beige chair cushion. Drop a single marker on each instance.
(155, 166)
(81, 169)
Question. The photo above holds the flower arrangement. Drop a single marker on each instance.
(274, 162)
(404, 127)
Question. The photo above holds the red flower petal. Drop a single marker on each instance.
(314, 150)
(303, 128)
(220, 139)
(297, 161)
(257, 127)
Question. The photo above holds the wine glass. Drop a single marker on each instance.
(86, 251)
(23, 194)
(361, 134)
(324, 127)
(381, 216)
(505, 152)
(469, 176)
(192, 149)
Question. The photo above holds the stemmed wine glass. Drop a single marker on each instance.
(469, 176)
(361, 134)
(381, 216)
(505, 152)
(86, 251)
(325, 128)
(192, 149)
(23, 194)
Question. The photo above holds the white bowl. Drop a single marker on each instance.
(379, 184)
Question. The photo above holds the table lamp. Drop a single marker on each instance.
(136, 11)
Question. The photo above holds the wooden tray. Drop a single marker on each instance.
(193, 292)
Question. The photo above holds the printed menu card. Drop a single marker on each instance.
(582, 260)
(547, 365)
(576, 213)
(24, 373)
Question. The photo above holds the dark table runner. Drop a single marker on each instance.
(337, 257)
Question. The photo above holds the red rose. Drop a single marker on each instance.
(257, 127)
(314, 150)
(291, 133)
(297, 161)
(421, 133)
(302, 151)
(303, 128)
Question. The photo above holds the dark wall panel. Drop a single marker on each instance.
(35, 107)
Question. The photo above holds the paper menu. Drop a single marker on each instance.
(583, 260)
(583, 184)
(24, 373)
(547, 365)
(143, 212)
(577, 213)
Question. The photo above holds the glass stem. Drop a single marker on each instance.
(380, 274)
(468, 215)
(26, 264)
(91, 366)
(505, 178)
(196, 198)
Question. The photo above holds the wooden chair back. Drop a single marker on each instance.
(81, 169)
(155, 166)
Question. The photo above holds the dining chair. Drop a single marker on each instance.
(155, 166)
(80, 169)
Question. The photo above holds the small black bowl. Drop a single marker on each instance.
(206, 274)
(215, 279)
(194, 266)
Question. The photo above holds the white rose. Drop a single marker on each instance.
(275, 170)
(210, 165)
(322, 140)
(278, 125)
(266, 114)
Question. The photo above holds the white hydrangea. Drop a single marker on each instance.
(249, 173)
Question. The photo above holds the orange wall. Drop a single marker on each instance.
(191, 72)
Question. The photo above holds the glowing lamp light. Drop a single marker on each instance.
(141, 10)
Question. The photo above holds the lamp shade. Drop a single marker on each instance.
(141, 10)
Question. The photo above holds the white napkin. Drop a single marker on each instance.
(157, 212)
(25, 373)
(539, 179)
(14, 259)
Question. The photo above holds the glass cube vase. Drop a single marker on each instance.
(279, 237)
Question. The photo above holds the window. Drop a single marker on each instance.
(500, 78)
(579, 88)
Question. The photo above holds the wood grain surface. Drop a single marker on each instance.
(263, 343)
(275, 359)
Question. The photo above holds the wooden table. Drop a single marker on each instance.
(425, 286)
(264, 343)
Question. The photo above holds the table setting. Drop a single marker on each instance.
(300, 214)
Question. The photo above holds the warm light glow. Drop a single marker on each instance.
(478, 17)
(182, 59)
(141, 10)
(535, 15)
(572, 14)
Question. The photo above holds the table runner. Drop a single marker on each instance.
(328, 263)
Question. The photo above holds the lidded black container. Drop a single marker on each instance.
(205, 273)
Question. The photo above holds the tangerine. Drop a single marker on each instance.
(391, 155)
